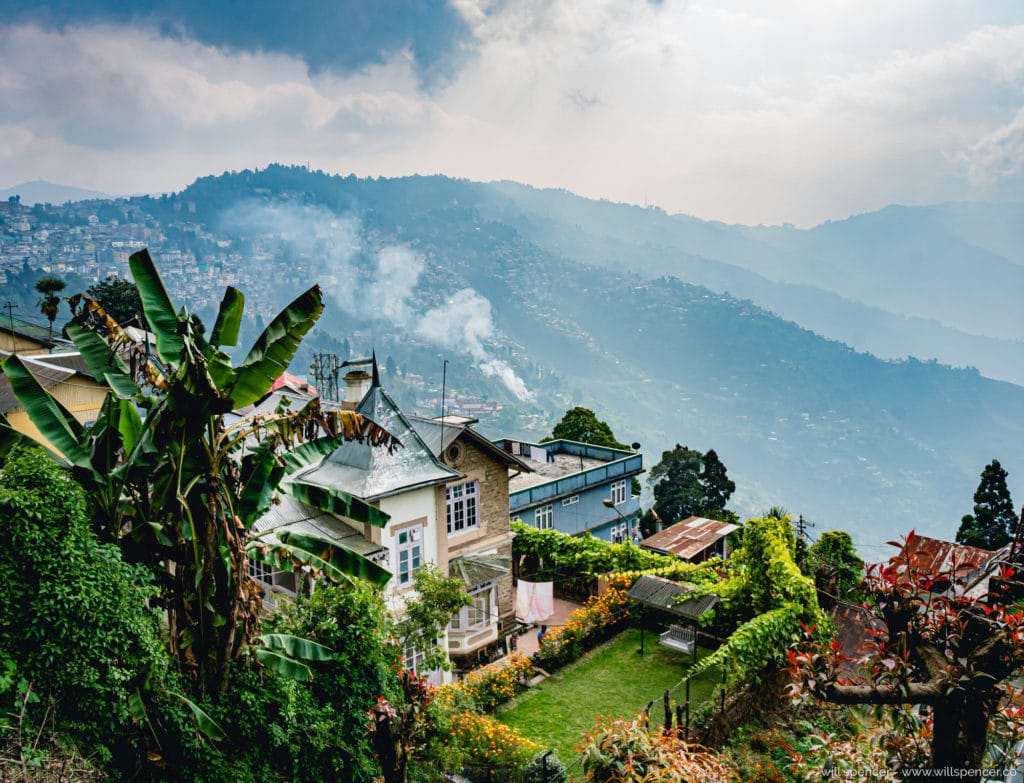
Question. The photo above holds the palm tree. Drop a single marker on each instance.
(49, 302)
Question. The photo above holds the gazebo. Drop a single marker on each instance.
(668, 596)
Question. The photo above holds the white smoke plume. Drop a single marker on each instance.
(332, 242)
(398, 271)
(464, 323)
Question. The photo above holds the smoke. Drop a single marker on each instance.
(397, 273)
(464, 323)
(383, 290)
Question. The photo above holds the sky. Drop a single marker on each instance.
(736, 110)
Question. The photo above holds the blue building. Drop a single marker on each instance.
(576, 488)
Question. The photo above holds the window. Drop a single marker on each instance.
(463, 507)
(571, 500)
(618, 492)
(479, 613)
(542, 517)
(619, 533)
(413, 657)
(409, 550)
(261, 572)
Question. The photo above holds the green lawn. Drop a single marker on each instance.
(614, 681)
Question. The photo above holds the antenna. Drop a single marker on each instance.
(324, 369)
(444, 388)
(14, 338)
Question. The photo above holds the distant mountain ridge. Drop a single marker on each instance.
(42, 192)
(596, 303)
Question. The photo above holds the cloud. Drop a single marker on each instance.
(343, 35)
(742, 111)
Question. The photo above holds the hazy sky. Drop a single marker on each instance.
(739, 111)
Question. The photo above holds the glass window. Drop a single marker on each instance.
(409, 550)
(618, 492)
(463, 507)
(543, 517)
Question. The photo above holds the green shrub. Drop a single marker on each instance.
(74, 618)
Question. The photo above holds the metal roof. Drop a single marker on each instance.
(432, 432)
(294, 517)
(690, 537)
(477, 569)
(48, 376)
(669, 596)
(371, 473)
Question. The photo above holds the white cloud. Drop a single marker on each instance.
(741, 111)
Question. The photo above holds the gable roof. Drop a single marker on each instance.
(372, 473)
(662, 593)
(437, 437)
(689, 537)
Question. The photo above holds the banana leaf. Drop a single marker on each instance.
(296, 647)
(336, 562)
(229, 318)
(51, 418)
(275, 348)
(336, 502)
(102, 362)
(156, 305)
(282, 664)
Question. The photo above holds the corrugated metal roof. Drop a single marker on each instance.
(669, 596)
(936, 556)
(477, 569)
(853, 632)
(48, 376)
(690, 537)
(295, 517)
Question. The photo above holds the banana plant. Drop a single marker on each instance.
(178, 487)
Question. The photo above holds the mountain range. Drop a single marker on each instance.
(783, 349)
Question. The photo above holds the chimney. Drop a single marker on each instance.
(357, 384)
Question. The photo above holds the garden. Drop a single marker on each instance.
(613, 680)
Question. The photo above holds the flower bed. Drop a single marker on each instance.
(598, 620)
(486, 688)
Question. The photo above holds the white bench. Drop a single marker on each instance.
(679, 638)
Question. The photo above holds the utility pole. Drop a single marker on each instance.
(14, 338)
(801, 528)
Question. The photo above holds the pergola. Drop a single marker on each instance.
(668, 596)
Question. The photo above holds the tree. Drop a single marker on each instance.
(49, 302)
(940, 651)
(993, 523)
(119, 298)
(427, 613)
(583, 426)
(678, 491)
(180, 489)
(718, 487)
(835, 550)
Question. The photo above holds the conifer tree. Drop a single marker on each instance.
(718, 487)
(993, 522)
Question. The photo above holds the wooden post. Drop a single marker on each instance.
(668, 711)
(679, 721)
(723, 689)
(687, 706)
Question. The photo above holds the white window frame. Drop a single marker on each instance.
(408, 543)
(569, 501)
(620, 533)
(619, 492)
(544, 517)
(480, 613)
(463, 502)
(261, 572)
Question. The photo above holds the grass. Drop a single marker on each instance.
(612, 680)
